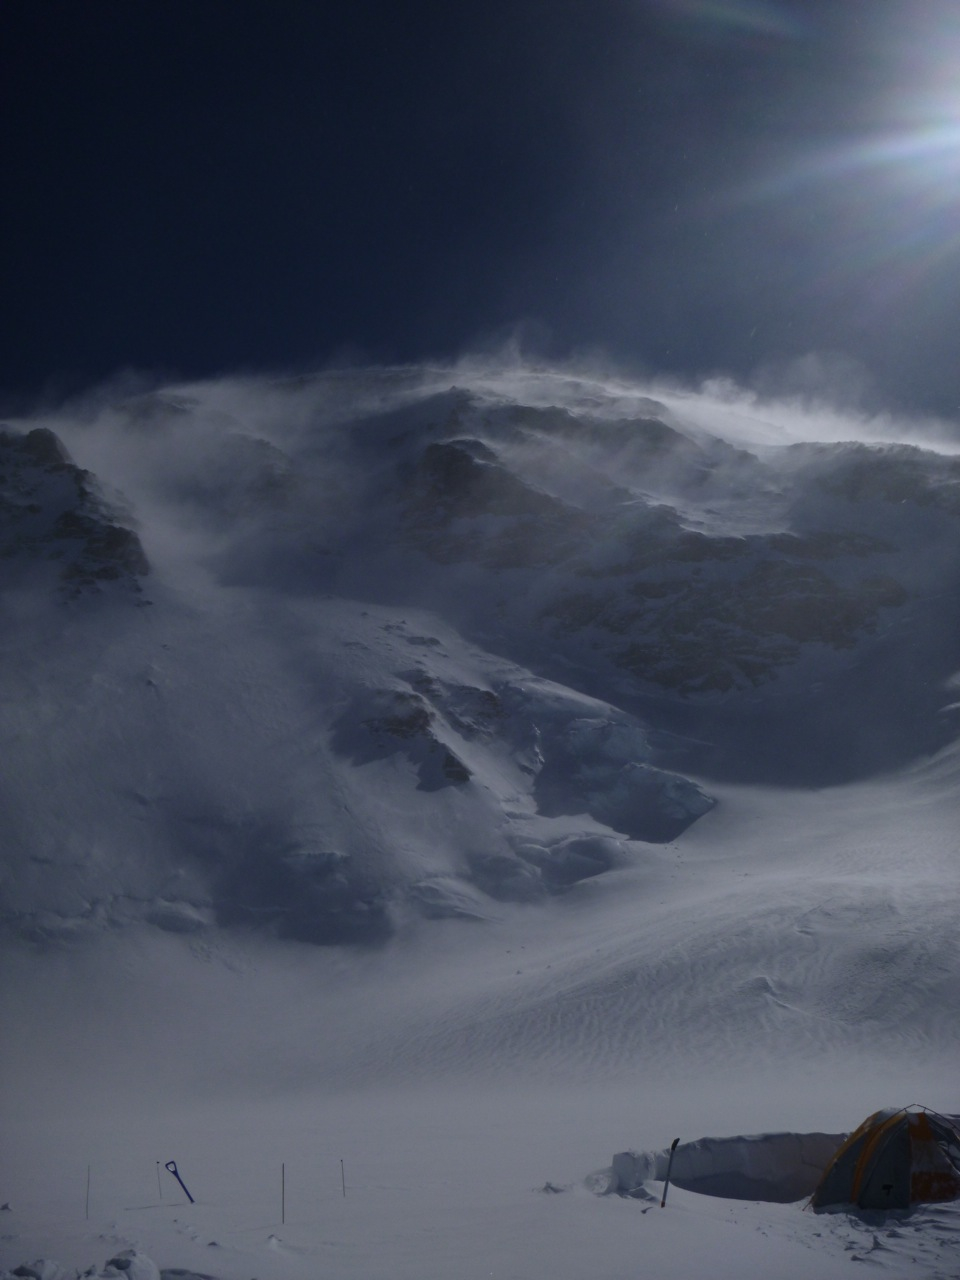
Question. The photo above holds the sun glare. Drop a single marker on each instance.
(884, 193)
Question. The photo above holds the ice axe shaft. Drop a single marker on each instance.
(171, 1167)
(666, 1181)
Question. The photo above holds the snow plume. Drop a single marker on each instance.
(171, 440)
(822, 396)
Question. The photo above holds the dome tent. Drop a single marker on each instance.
(894, 1159)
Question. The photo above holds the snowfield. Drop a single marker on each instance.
(423, 787)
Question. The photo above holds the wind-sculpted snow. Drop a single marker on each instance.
(778, 1167)
(426, 642)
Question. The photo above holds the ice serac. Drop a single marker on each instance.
(603, 767)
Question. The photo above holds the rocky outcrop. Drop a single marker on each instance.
(53, 516)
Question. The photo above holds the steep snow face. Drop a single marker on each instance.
(421, 643)
(322, 771)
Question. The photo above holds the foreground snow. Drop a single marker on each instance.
(448, 1185)
(477, 1079)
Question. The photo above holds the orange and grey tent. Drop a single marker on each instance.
(895, 1159)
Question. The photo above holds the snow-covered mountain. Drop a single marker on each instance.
(327, 655)
(606, 738)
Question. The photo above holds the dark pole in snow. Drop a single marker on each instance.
(343, 1180)
(666, 1181)
(159, 1186)
(87, 1209)
(171, 1167)
(283, 1193)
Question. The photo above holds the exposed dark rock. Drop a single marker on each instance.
(405, 725)
(51, 512)
(454, 769)
(43, 448)
(892, 473)
(466, 505)
(694, 634)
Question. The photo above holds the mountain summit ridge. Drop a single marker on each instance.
(418, 649)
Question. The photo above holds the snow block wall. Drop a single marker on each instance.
(780, 1167)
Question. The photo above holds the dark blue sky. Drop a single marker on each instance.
(693, 186)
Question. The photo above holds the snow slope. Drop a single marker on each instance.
(604, 739)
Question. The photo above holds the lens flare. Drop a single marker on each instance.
(749, 17)
(873, 214)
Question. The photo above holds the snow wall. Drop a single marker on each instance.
(781, 1167)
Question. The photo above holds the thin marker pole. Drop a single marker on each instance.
(159, 1186)
(283, 1193)
(666, 1181)
(87, 1208)
(343, 1180)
